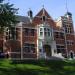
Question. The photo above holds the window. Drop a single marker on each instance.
(7, 38)
(47, 32)
(29, 48)
(16, 34)
(59, 35)
(68, 29)
(29, 32)
(56, 34)
(32, 32)
(43, 18)
(48, 29)
(68, 26)
(45, 29)
(70, 42)
(9, 35)
(32, 47)
(41, 31)
(26, 31)
(40, 50)
(62, 35)
(60, 49)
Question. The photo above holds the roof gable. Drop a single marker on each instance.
(43, 12)
(37, 19)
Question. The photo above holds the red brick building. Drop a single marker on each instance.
(40, 37)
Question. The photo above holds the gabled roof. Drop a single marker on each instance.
(37, 19)
(43, 12)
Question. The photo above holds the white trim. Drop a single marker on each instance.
(66, 43)
(29, 58)
(21, 44)
(70, 33)
(26, 27)
(40, 17)
(29, 53)
(30, 42)
(60, 44)
(29, 36)
(29, 28)
(15, 58)
(15, 52)
(59, 31)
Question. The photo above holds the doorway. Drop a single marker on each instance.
(47, 49)
(71, 55)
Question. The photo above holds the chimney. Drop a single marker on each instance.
(30, 15)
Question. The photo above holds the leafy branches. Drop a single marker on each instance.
(7, 15)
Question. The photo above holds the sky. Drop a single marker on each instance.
(55, 8)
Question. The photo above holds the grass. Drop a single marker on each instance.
(34, 67)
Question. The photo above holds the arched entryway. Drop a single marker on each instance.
(71, 55)
(47, 49)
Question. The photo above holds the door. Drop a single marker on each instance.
(47, 49)
(71, 55)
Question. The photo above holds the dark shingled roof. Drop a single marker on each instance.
(23, 19)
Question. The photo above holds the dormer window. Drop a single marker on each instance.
(43, 18)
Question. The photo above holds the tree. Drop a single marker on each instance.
(7, 16)
(7, 19)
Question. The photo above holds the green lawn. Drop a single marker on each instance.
(41, 67)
